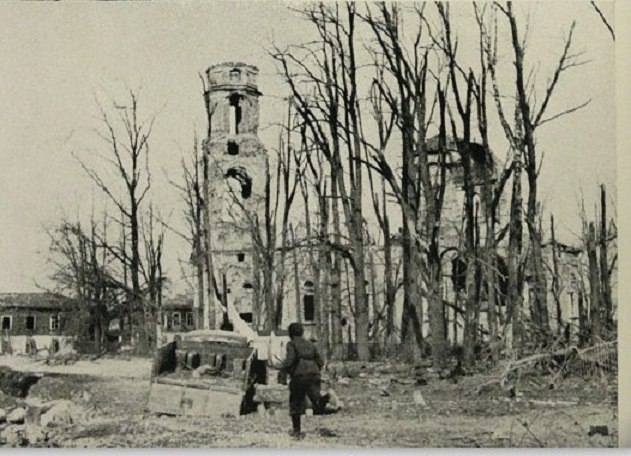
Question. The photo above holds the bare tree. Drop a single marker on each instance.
(421, 188)
(529, 116)
(465, 108)
(493, 186)
(327, 301)
(288, 172)
(85, 269)
(385, 125)
(195, 210)
(605, 275)
(332, 115)
(556, 279)
(153, 237)
(127, 137)
(212, 288)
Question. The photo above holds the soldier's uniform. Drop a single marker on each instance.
(303, 363)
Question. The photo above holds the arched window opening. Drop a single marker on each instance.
(243, 179)
(248, 286)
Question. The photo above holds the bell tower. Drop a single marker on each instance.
(238, 165)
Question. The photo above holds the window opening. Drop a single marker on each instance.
(246, 316)
(177, 319)
(233, 148)
(235, 114)
(243, 179)
(235, 75)
(308, 307)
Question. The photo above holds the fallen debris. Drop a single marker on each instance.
(17, 415)
(14, 435)
(326, 432)
(419, 399)
(62, 413)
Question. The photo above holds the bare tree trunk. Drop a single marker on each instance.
(322, 276)
(595, 314)
(604, 262)
(210, 317)
(491, 266)
(199, 278)
(556, 288)
(529, 118)
(134, 267)
(515, 280)
(412, 316)
(390, 289)
(336, 278)
(374, 334)
(297, 293)
(583, 327)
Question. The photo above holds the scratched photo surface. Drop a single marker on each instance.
(308, 225)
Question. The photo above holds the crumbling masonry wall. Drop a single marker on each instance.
(237, 172)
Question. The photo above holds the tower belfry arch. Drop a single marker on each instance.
(237, 162)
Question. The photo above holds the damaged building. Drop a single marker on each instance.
(239, 171)
(36, 321)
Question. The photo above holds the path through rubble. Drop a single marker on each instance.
(384, 406)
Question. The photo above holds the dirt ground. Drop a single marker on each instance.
(379, 411)
(104, 367)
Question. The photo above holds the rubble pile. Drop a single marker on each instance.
(35, 423)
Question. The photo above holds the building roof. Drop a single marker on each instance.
(178, 302)
(43, 301)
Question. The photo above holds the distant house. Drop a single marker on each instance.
(44, 318)
(177, 314)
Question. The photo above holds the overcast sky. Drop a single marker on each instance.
(58, 58)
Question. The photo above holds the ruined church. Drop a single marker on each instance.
(238, 167)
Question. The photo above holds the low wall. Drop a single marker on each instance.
(19, 343)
